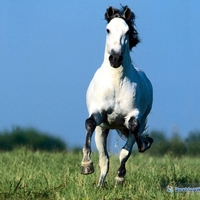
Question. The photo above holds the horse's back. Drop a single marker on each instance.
(147, 92)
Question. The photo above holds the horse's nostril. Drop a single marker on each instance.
(111, 58)
(120, 59)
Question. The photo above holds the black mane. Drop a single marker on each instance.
(133, 34)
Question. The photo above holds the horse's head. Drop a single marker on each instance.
(121, 35)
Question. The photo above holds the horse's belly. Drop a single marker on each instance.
(114, 121)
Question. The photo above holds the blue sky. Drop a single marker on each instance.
(51, 49)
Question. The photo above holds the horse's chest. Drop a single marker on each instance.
(118, 103)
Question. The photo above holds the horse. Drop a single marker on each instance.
(119, 97)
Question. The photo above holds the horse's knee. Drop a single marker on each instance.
(134, 128)
(133, 125)
(90, 123)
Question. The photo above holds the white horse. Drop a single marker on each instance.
(118, 97)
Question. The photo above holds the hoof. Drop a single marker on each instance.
(87, 168)
(146, 144)
(119, 181)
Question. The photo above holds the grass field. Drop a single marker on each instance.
(42, 175)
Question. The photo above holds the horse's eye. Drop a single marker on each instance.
(108, 31)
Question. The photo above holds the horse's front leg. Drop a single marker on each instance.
(87, 164)
(143, 143)
(90, 125)
(101, 143)
(123, 157)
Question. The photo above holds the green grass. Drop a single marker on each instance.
(42, 175)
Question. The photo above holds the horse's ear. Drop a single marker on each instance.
(127, 13)
(109, 13)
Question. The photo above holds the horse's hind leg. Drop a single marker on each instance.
(87, 164)
(123, 157)
(101, 143)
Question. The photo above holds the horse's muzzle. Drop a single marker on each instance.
(115, 60)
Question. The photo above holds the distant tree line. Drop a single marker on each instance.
(37, 140)
(175, 145)
(31, 139)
